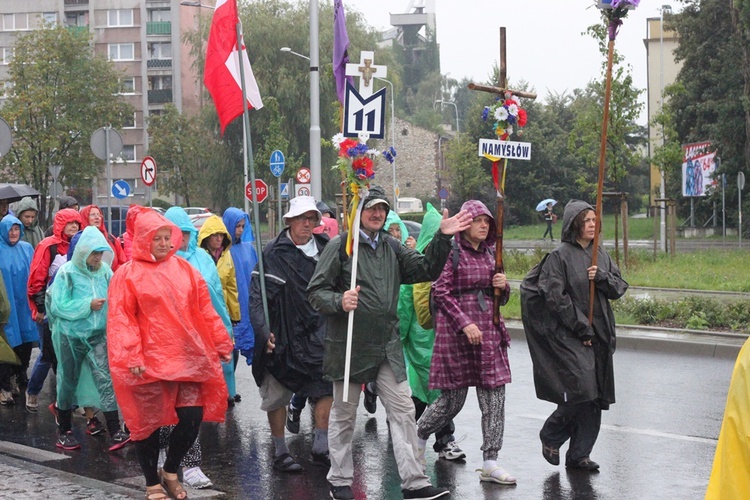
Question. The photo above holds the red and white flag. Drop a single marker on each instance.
(222, 72)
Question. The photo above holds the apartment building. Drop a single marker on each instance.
(143, 39)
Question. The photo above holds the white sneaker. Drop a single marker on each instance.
(195, 478)
(452, 452)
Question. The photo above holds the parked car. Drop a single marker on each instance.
(414, 228)
(197, 210)
(199, 219)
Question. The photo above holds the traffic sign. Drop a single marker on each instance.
(261, 190)
(303, 190)
(120, 189)
(443, 194)
(277, 163)
(148, 170)
(303, 176)
(284, 190)
(99, 142)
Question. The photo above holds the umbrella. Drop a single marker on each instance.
(543, 204)
(14, 192)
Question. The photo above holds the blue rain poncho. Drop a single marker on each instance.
(15, 262)
(245, 258)
(78, 332)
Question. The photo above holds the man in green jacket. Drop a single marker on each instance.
(377, 353)
(27, 213)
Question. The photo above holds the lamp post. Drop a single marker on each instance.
(662, 184)
(315, 169)
(393, 138)
(443, 103)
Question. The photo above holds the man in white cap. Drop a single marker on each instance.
(377, 353)
(288, 355)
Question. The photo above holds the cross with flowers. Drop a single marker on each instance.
(508, 118)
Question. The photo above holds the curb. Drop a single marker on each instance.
(689, 342)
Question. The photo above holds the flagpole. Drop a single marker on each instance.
(352, 286)
(247, 152)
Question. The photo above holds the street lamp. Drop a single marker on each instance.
(443, 103)
(662, 184)
(393, 138)
(315, 169)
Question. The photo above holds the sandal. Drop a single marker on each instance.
(496, 475)
(286, 463)
(156, 493)
(551, 454)
(173, 486)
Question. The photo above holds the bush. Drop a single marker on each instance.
(695, 313)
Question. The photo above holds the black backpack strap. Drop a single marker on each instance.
(52, 253)
(455, 253)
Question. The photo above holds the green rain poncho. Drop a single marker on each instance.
(416, 340)
(393, 218)
(78, 332)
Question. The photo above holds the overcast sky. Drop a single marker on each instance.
(544, 42)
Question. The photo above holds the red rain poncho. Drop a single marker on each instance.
(161, 317)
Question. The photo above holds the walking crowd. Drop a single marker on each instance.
(151, 325)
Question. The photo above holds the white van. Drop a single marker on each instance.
(407, 205)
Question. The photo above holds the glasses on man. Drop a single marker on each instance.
(312, 219)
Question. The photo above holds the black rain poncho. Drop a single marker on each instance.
(566, 371)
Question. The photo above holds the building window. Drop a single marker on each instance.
(160, 50)
(160, 82)
(129, 122)
(7, 54)
(128, 152)
(49, 17)
(127, 85)
(15, 22)
(121, 52)
(7, 87)
(159, 15)
(120, 17)
(79, 19)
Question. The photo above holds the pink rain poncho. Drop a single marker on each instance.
(161, 317)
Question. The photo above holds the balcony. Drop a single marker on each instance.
(159, 63)
(76, 2)
(159, 96)
(78, 30)
(159, 28)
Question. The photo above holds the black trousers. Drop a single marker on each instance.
(578, 422)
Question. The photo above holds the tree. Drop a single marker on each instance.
(60, 91)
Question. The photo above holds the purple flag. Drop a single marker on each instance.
(340, 50)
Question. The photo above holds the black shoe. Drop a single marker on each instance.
(67, 441)
(286, 463)
(550, 453)
(371, 401)
(230, 402)
(426, 493)
(94, 426)
(583, 464)
(321, 459)
(237, 398)
(292, 419)
(342, 493)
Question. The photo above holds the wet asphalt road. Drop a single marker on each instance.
(656, 442)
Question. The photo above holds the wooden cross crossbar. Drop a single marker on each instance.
(501, 91)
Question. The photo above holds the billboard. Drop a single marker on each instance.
(698, 168)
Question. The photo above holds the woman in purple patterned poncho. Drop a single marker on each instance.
(470, 351)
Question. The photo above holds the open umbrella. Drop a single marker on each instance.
(543, 204)
(14, 192)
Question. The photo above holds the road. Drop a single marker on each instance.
(657, 441)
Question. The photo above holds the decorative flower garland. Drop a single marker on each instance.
(357, 162)
(506, 113)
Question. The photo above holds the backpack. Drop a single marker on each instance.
(554, 218)
(532, 302)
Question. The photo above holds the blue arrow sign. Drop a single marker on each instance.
(284, 190)
(277, 163)
(120, 189)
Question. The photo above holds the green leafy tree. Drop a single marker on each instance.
(59, 93)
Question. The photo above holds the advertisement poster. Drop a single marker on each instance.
(698, 167)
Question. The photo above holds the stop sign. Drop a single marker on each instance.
(261, 190)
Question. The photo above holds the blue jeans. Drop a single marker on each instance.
(40, 370)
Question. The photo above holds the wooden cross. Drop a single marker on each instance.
(500, 165)
(366, 70)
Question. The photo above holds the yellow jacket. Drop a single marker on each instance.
(224, 263)
(730, 477)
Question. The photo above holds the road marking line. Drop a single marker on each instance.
(644, 432)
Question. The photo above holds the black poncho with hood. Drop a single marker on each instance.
(565, 370)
